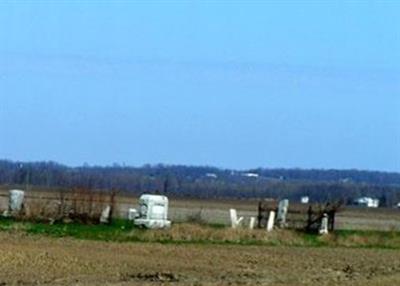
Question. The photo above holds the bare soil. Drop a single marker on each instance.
(38, 260)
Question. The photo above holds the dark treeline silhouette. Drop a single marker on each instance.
(209, 182)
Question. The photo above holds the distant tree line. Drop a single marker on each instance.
(209, 182)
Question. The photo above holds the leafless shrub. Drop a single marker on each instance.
(196, 217)
(76, 205)
(194, 232)
(86, 206)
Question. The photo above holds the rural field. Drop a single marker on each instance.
(199, 143)
(40, 260)
(199, 249)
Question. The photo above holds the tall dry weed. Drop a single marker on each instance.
(187, 232)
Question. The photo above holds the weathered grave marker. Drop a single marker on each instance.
(105, 215)
(271, 221)
(235, 222)
(252, 222)
(132, 214)
(16, 201)
(324, 225)
(282, 212)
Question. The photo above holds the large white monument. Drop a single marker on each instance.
(153, 212)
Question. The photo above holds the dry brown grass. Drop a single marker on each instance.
(40, 210)
(27, 260)
(186, 232)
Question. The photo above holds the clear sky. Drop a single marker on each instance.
(232, 84)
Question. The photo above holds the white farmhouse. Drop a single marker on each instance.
(212, 175)
(251, 175)
(304, 199)
(367, 202)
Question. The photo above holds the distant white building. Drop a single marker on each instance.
(211, 175)
(345, 180)
(305, 200)
(367, 202)
(251, 175)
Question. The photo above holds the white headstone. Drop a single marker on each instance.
(252, 222)
(282, 211)
(16, 200)
(132, 214)
(105, 215)
(324, 225)
(233, 216)
(153, 212)
(271, 221)
(235, 222)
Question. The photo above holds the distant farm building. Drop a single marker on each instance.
(251, 175)
(211, 175)
(367, 202)
(305, 200)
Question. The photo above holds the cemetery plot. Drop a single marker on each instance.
(46, 204)
(309, 217)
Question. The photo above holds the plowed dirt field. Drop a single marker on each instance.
(38, 260)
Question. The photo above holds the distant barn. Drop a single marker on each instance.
(367, 202)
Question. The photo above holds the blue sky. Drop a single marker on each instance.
(229, 84)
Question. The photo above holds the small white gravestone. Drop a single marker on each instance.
(132, 214)
(252, 222)
(233, 215)
(235, 222)
(271, 221)
(16, 201)
(105, 215)
(324, 225)
(282, 211)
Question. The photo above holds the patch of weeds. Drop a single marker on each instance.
(217, 225)
(115, 231)
(124, 231)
